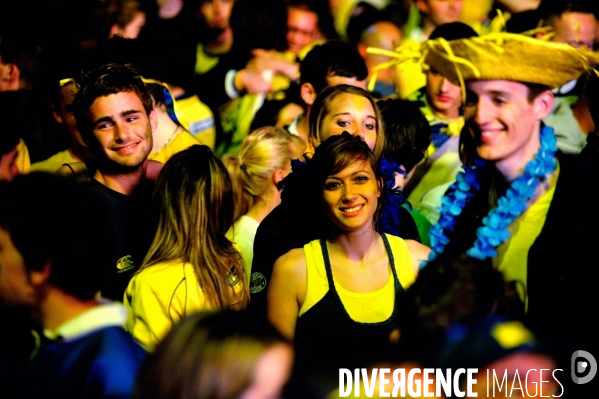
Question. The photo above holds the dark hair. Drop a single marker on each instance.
(26, 55)
(61, 221)
(259, 24)
(208, 356)
(534, 89)
(450, 291)
(105, 80)
(407, 132)
(138, 54)
(331, 157)
(333, 58)
(10, 126)
(453, 31)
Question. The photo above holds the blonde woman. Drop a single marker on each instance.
(191, 265)
(263, 161)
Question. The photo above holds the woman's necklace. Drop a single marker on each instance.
(510, 206)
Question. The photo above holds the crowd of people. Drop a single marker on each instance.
(241, 198)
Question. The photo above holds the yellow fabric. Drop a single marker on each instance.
(371, 307)
(53, 163)
(512, 259)
(204, 62)
(181, 142)
(161, 295)
(22, 161)
(197, 119)
(409, 76)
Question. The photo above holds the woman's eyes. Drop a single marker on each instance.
(331, 185)
(342, 123)
(362, 179)
(370, 126)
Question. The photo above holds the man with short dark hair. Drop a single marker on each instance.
(329, 64)
(114, 114)
(53, 239)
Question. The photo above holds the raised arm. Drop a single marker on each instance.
(287, 291)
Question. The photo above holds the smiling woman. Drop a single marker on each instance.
(337, 295)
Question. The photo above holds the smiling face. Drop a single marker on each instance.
(444, 97)
(505, 125)
(121, 130)
(352, 113)
(351, 196)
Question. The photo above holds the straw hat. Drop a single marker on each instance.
(508, 56)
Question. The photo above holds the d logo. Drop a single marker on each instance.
(583, 362)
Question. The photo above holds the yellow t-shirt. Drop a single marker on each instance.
(369, 307)
(181, 142)
(196, 118)
(512, 258)
(161, 295)
(53, 163)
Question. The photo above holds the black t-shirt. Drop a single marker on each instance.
(133, 229)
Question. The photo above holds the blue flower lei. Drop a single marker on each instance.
(494, 230)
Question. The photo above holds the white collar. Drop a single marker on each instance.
(105, 315)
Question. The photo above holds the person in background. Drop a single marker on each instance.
(53, 261)
(221, 355)
(263, 162)
(191, 265)
(441, 102)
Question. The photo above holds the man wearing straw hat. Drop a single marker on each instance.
(513, 200)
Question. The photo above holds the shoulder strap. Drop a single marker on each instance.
(398, 285)
(327, 264)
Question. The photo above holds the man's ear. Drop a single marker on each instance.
(543, 104)
(153, 120)
(308, 93)
(40, 277)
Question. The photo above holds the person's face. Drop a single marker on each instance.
(444, 97)
(576, 29)
(351, 196)
(15, 285)
(67, 93)
(122, 131)
(352, 113)
(216, 13)
(441, 12)
(287, 115)
(302, 26)
(8, 165)
(504, 124)
(271, 373)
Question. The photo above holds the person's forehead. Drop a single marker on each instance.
(490, 86)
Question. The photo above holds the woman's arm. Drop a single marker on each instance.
(287, 291)
(418, 253)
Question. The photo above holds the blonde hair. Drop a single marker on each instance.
(196, 210)
(263, 152)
